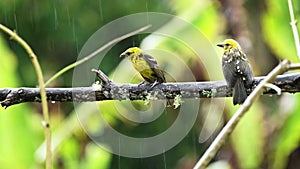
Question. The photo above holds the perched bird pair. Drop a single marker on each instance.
(236, 69)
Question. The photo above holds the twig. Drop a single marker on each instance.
(274, 87)
(40, 77)
(295, 66)
(113, 91)
(294, 27)
(232, 123)
(90, 56)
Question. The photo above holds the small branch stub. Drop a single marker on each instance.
(105, 80)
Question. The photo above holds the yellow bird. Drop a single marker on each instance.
(146, 65)
(236, 69)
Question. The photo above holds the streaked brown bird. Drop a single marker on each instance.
(236, 69)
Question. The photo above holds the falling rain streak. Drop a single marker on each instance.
(101, 10)
(55, 18)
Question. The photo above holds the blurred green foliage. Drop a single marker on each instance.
(56, 30)
(18, 125)
(280, 37)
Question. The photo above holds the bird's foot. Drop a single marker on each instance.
(142, 83)
(154, 84)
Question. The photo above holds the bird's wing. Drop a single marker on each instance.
(151, 61)
(229, 74)
(248, 73)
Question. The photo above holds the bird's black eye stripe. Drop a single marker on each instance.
(128, 53)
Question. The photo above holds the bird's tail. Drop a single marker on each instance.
(239, 92)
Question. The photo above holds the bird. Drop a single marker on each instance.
(236, 69)
(147, 66)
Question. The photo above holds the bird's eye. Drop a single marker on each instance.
(227, 44)
(128, 53)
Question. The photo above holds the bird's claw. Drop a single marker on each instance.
(142, 83)
(154, 84)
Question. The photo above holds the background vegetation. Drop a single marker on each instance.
(268, 136)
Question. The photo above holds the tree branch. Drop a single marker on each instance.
(109, 90)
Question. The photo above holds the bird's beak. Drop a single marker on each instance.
(123, 55)
(220, 45)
